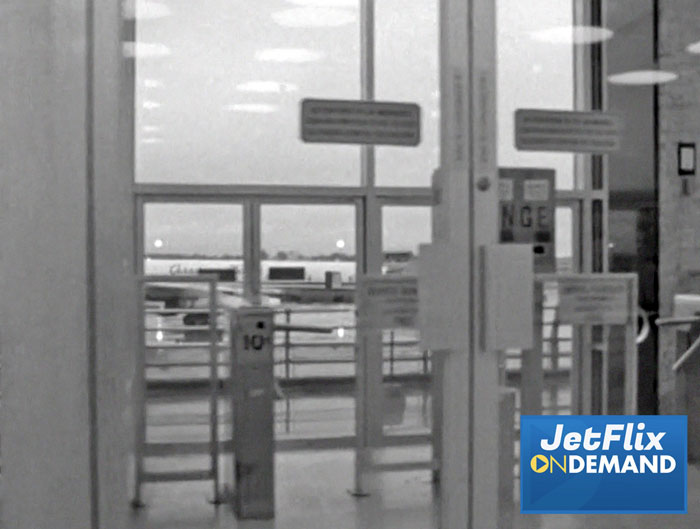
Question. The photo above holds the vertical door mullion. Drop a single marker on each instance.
(368, 404)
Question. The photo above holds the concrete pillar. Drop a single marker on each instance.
(679, 214)
(67, 304)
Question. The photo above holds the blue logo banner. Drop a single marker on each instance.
(603, 464)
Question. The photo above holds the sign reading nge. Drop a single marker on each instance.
(603, 464)
(526, 212)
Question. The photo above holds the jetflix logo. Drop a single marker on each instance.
(603, 464)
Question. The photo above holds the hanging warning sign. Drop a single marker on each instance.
(364, 122)
(526, 212)
(568, 131)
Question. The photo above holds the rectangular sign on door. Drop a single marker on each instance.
(601, 300)
(526, 212)
(388, 302)
(567, 131)
(364, 122)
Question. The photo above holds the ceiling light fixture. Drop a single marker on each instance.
(642, 77)
(293, 55)
(572, 35)
(266, 87)
(313, 17)
(255, 108)
(150, 105)
(152, 83)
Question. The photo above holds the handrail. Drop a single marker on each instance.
(682, 320)
(677, 320)
(309, 329)
(685, 356)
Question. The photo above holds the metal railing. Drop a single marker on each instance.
(208, 286)
(694, 347)
(340, 351)
(391, 345)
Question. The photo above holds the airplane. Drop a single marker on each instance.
(283, 281)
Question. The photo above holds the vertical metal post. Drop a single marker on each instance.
(140, 229)
(214, 389)
(287, 414)
(532, 376)
(287, 344)
(631, 356)
(439, 231)
(139, 385)
(604, 352)
(506, 478)
(251, 252)
(554, 348)
(139, 401)
(585, 370)
(391, 352)
(368, 400)
(554, 351)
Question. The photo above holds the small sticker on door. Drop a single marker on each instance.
(505, 189)
(536, 190)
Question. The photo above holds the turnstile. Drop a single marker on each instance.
(252, 395)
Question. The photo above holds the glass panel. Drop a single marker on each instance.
(564, 237)
(406, 58)
(219, 85)
(190, 240)
(404, 229)
(308, 276)
(181, 241)
(206, 231)
(558, 344)
(535, 70)
(406, 367)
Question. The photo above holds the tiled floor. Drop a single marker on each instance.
(312, 494)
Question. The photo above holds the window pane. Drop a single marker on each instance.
(219, 85)
(308, 232)
(564, 237)
(308, 276)
(406, 50)
(184, 240)
(206, 231)
(535, 70)
(406, 407)
(404, 229)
